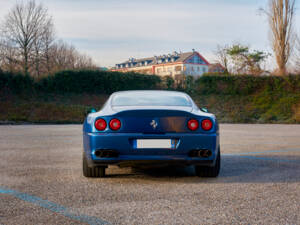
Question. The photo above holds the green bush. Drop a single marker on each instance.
(103, 82)
(15, 83)
(92, 82)
(106, 82)
(245, 84)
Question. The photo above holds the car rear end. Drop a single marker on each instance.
(156, 135)
(152, 135)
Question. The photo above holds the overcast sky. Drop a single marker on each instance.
(111, 31)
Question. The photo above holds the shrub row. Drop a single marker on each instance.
(106, 82)
(92, 82)
(15, 83)
(245, 84)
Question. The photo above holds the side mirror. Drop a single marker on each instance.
(90, 110)
(204, 110)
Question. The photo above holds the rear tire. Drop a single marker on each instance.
(207, 171)
(91, 171)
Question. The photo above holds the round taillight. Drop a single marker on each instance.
(100, 124)
(206, 124)
(115, 124)
(193, 124)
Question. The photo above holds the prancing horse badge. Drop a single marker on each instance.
(153, 124)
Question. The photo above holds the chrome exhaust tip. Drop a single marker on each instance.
(106, 153)
(205, 153)
(202, 153)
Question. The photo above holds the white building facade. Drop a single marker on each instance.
(175, 65)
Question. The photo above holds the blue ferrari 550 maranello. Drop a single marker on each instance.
(151, 128)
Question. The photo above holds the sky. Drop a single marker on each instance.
(111, 31)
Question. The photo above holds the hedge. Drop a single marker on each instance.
(246, 84)
(106, 82)
(15, 83)
(92, 82)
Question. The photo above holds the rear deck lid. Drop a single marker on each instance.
(154, 120)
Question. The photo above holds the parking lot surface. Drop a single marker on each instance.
(41, 181)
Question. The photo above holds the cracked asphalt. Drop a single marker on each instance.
(41, 181)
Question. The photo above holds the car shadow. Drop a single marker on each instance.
(234, 169)
(259, 169)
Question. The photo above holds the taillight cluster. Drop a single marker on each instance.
(115, 124)
(206, 124)
(193, 124)
(101, 124)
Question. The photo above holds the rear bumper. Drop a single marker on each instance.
(129, 155)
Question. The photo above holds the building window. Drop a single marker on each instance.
(178, 68)
(196, 59)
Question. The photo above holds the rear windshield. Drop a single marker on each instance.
(150, 99)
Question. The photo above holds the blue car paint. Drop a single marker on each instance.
(172, 124)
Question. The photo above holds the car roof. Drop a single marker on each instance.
(138, 93)
(149, 91)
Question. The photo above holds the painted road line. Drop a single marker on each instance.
(53, 207)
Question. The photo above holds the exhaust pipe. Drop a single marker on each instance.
(106, 153)
(205, 153)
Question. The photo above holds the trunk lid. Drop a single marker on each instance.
(154, 120)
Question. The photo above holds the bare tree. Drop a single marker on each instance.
(9, 57)
(222, 57)
(2, 55)
(48, 38)
(68, 58)
(296, 58)
(27, 43)
(24, 26)
(281, 14)
(41, 46)
(37, 56)
(64, 56)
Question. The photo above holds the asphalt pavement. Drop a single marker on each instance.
(41, 181)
